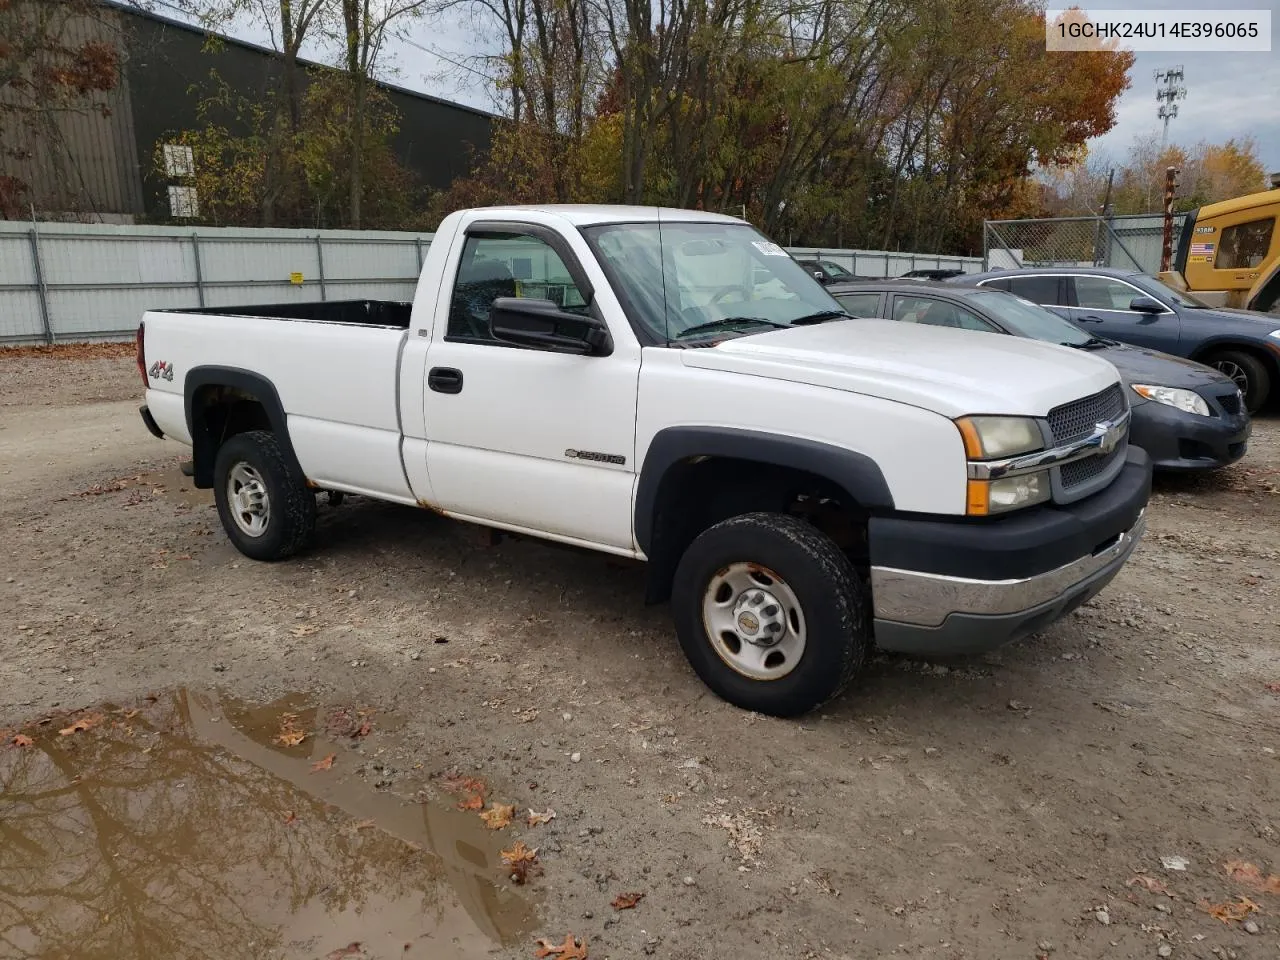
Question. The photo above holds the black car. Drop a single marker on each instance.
(828, 271)
(1186, 416)
(1135, 308)
(932, 273)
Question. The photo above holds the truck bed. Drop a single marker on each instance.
(369, 313)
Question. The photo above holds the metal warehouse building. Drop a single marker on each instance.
(105, 169)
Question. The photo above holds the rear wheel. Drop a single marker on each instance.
(770, 613)
(1249, 373)
(265, 508)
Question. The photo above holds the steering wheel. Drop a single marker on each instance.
(724, 292)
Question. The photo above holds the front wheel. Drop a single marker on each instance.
(770, 613)
(266, 509)
(1249, 373)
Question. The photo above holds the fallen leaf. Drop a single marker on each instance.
(21, 740)
(366, 728)
(521, 861)
(291, 738)
(1241, 871)
(1149, 883)
(87, 722)
(1228, 912)
(571, 949)
(290, 817)
(498, 815)
(473, 790)
(473, 802)
(325, 764)
(534, 818)
(626, 901)
(350, 950)
(1273, 686)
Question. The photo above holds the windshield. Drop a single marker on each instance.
(1163, 291)
(1028, 319)
(724, 279)
(837, 271)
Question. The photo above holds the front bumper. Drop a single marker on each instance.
(1054, 559)
(1179, 441)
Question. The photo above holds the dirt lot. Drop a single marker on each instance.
(1000, 807)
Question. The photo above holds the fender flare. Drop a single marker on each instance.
(254, 384)
(855, 473)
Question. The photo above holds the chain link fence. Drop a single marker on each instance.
(1128, 243)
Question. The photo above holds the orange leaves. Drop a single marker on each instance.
(290, 735)
(626, 901)
(1229, 912)
(1248, 875)
(86, 722)
(472, 789)
(325, 764)
(1150, 884)
(521, 860)
(21, 740)
(498, 815)
(535, 819)
(1273, 686)
(571, 949)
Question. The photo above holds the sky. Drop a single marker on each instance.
(1229, 95)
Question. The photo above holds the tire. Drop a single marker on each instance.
(275, 514)
(795, 567)
(1249, 373)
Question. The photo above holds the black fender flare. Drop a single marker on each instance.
(255, 384)
(856, 474)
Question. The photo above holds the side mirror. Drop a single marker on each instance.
(1146, 305)
(527, 322)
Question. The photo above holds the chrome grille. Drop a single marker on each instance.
(1082, 471)
(1077, 419)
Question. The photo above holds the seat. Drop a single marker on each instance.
(940, 314)
(479, 284)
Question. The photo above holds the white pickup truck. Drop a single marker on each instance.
(670, 386)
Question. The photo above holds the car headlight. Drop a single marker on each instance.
(1274, 333)
(989, 438)
(1188, 401)
(986, 497)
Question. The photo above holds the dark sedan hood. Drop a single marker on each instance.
(1139, 365)
(1252, 320)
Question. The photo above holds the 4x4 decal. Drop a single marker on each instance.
(161, 370)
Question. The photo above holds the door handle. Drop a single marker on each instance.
(1090, 319)
(445, 380)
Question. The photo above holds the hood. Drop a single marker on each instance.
(951, 372)
(1140, 365)
(1251, 321)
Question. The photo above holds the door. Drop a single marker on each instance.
(528, 438)
(1048, 290)
(1101, 307)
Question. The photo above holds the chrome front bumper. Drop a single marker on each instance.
(931, 613)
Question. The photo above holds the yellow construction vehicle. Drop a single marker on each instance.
(1229, 252)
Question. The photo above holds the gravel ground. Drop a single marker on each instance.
(1007, 806)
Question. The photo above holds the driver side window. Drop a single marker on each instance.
(497, 265)
(937, 313)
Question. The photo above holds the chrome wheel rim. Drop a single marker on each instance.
(247, 500)
(754, 621)
(1236, 372)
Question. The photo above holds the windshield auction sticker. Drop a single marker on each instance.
(1203, 31)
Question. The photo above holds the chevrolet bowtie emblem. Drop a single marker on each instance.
(1111, 434)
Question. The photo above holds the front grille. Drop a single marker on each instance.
(1230, 403)
(1082, 471)
(1077, 419)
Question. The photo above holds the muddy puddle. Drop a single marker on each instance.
(185, 826)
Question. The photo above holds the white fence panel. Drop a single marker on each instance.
(94, 281)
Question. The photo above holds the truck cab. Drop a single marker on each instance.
(1229, 253)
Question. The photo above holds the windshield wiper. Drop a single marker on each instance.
(725, 322)
(1091, 344)
(820, 317)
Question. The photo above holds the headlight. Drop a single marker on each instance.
(1274, 333)
(1188, 401)
(1008, 493)
(989, 438)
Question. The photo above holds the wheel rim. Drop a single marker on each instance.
(247, 500)
(754, 621)
(1236, 372)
